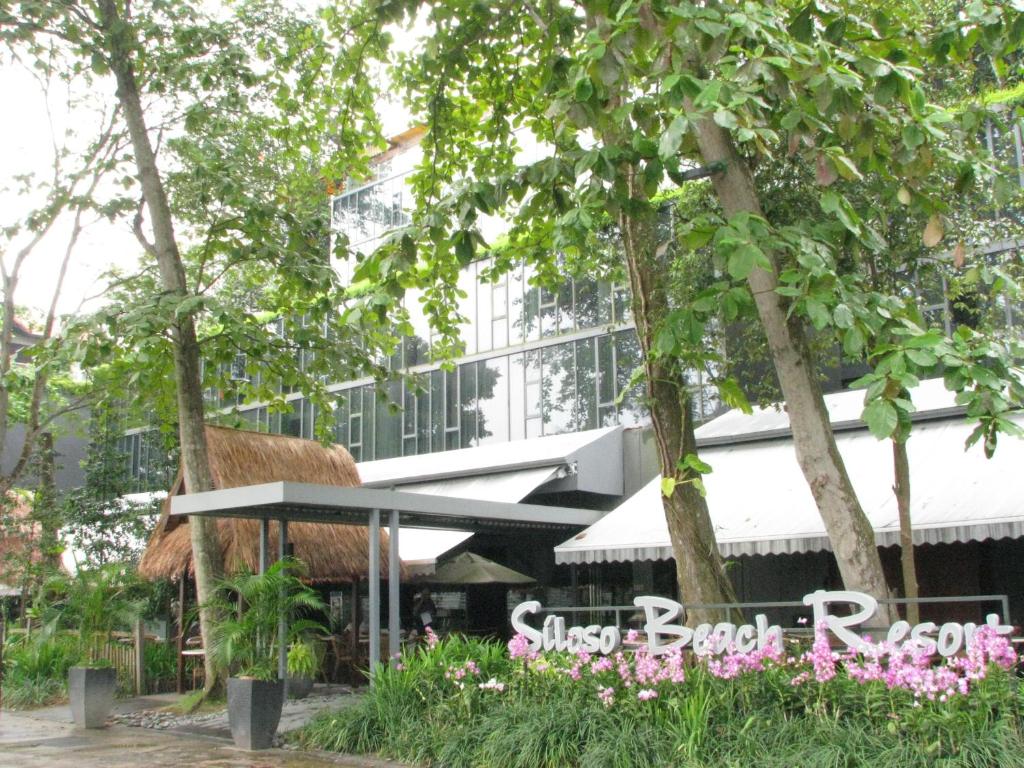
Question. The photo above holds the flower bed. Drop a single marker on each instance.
(464, 702)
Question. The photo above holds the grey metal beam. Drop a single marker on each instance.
(394, 582)
(374, 580)
(282, 621)
(308, 502)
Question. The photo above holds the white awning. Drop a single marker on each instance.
(956, 496)
(420, 548)
(581, 461)
(931, 398)
(500, 486)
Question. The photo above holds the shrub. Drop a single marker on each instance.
(464, 702)
(36, 668)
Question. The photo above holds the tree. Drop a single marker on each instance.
(99, 521)
(35, 389)
(199, 89)
(625, 96)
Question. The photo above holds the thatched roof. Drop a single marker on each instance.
(332, 553)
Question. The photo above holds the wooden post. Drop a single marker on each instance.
(140, 657)
(181, 634)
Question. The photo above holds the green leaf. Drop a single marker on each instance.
(692, 461)
(672, 138)
(726, 119)
(708, 97)
(922, 357)
(881, 418)
(743, 259)
(733, 396)
(818, 313)
(668, 486)
(843, 316)
(853, 342)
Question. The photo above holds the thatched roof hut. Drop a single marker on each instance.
(332, 553)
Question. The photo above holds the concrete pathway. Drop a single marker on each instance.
(46, 738)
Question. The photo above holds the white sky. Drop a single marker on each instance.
(27, 147)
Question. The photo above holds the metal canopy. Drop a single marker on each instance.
(314, 503)
(289, 502)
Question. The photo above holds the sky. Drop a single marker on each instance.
(26, 137)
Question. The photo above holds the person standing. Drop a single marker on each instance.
(424, 609)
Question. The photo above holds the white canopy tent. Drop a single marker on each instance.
(956, 496)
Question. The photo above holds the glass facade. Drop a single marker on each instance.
(151, 465)
(536, 361)
(563, 387)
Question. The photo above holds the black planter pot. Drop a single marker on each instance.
(91, 693)
(299, 687)
(254, 710)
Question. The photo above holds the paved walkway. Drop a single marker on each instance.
(46, 738)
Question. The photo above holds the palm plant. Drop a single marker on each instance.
(246, 642)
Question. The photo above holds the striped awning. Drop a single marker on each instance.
(760, 503)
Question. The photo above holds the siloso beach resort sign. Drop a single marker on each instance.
(664, 633)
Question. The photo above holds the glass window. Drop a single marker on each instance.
(548, 313)
(451, 415)
(627, 358)
(585, 308)
(493, 400)
(467, 308)
(388, 423)
(484, 317)
(566, 311)
(558, 388)
(417, 347)
(531, 307)
(437, 410)
(467, 404)
(586, 386)
(291, 421)
(517, 397)
(516, 306)
(341, 412)
(532, 378)
(368, 419)
(423, 411)
(605, 371)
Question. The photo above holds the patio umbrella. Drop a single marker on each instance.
(468, 568)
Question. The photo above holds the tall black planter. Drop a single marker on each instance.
(254, 710)
(91, 693)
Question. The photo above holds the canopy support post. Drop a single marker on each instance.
(264, 537)
(180, 667)
(374, 576)
(394, 577)
(282, 621)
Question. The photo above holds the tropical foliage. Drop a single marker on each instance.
(246, 641)
(466, 702)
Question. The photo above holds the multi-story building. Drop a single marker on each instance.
(537, 363)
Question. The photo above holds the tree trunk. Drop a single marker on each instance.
(699, 568)
(901, 487)
(849, 530)
(119, 39)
